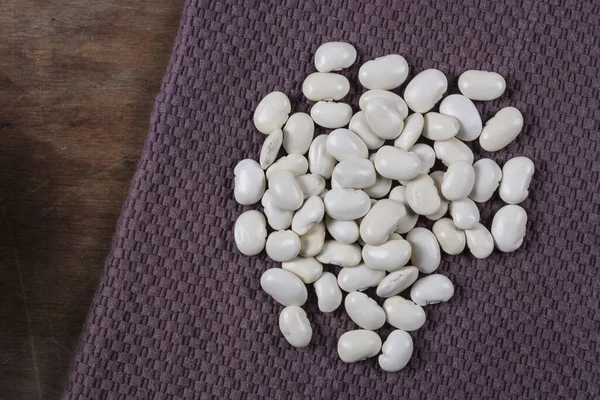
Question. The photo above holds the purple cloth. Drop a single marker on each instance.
(179, 312)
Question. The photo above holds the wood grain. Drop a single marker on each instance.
(77, 85)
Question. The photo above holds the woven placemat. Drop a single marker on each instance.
(179, 312)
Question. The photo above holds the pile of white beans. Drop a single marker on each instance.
(330, 207)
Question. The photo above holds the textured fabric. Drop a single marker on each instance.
(179, 312)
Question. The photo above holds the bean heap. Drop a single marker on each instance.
(338, 214)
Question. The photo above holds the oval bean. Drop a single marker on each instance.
(249, 182)
(439, 126)
(396, 351)
(387, 72)
(502, 129)
(359, 278)
(312, 242)
(403, 314)
(465, 213)
(329, 295)
(358, 345)
(319, 160)
(343, 144)
(383, 118)
(432, 289)
(347, 204)
(295, 327)
(389, 256)
(397, 281)
(310, 214)
(355, 173)
(346, 232)
(516, 178)
(285, 190)
(283, 245)
(481, 85)
(250, 232)
(480, 241)
(330, 114)
(425, 89)
(334, 56)
(364, 311)
(452, 240)
(381, 221)
(426, 254)
(272, 112)
(508, 227)
(395, 163)
(284, 287)
(458, 180)
(298, 133)
(325, 86)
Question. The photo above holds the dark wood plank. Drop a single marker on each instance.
(77, 85)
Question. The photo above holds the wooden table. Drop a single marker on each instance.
(77, 85)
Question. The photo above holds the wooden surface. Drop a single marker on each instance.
(77, 85)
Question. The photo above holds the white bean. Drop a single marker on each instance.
(413, 127)
(278, 218)
(508, 227)
(355, 173)
(295, 327)
(403, 314)
(308, 269)
(330, 114)
(334, 56)
(487, 178)
(463, 109)
(383, 118)
(397, 281)
(285, 190)
(346, 232)
(329, 295)
(340, 254)
(312, 242)
(381, 221)
(343, 144)
(364, 311)
(516, 178)
(389, 256)
(458, 180)
(502, 129)
(396, 351)
(310, 214)
(360, 126)
(249, 182)
(422, 195)
(358, 345)
(452, 150)
(481, 85)
(272, 112)
(452, 240)
(325, 86)
(298, 133)
(284, 287)
(270, 148)
(283, 245)
(387, 72)
(439, 126)
(347, 204)
(359, 278)
(319, 160)
(408, 222)
(398, 101)
(480, 241)
(250, 232)
(432, 289)
(425, 89)
(465, 213)
(296, 163)
(311, 184)
(395, 163)
(426, 254)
